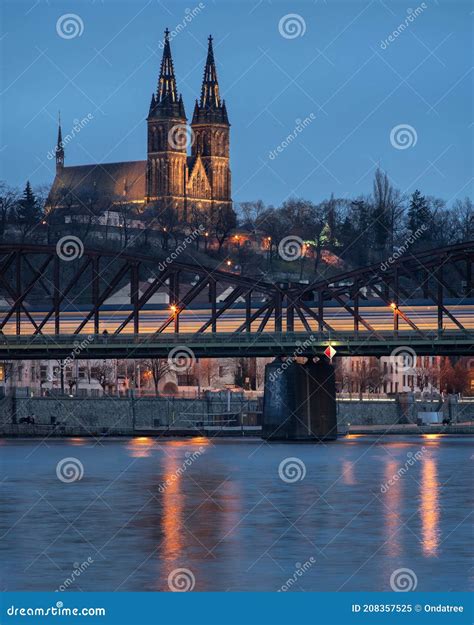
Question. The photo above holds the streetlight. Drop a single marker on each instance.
(394, 307)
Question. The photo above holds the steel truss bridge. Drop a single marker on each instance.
(104, 304)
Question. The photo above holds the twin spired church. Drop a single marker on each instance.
(169, 177)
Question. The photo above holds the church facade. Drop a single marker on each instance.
(170, 177)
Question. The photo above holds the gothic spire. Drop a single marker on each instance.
(167, 103)
(211, 109)
(210, 86)
(59, 147)
(167, 81)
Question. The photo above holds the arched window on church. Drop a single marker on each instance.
(220, 143)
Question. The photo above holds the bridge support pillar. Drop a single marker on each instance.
(299, 401)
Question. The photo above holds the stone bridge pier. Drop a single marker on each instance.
(299, 401)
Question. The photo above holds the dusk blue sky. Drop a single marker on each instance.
(337, 71)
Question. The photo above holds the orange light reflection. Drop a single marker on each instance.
(77, 441)
(140, 447)
(429, 508)
(173, 503)
(391, 500)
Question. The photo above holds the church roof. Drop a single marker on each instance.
(123, 182)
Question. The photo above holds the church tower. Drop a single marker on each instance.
(210, 127)
(166, 171)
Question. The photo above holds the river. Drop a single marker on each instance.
(236, 514)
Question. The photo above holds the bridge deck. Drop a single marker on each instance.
(217, 345)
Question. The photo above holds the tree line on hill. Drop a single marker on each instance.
(359, 231)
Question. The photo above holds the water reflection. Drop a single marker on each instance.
(227, 516)
(77, 441)
(140, 447)
(173, 504)
(348, 475)
(429, 508)
(392, 501)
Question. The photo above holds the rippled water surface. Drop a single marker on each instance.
(360, 509)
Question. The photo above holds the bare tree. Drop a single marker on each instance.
(387, 210)
(223, 221)
(9, 198)
(103, 372)
(158, 368)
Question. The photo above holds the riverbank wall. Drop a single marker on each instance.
(76, 416)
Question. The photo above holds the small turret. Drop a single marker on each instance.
(59, 148)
